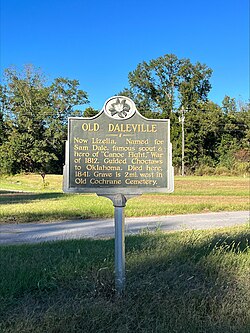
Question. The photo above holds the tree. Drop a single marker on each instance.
(36, 120)
(166, 83)
(64, 97)
(229, 105)
(234, 145)
(203, 135)
(161, 87)
(194, 84)
(90, 112)
(3, 125)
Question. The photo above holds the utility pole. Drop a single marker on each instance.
(182, 119)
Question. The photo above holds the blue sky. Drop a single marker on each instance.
(99, 42)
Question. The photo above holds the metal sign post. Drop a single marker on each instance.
(119, 202)
(120, 247)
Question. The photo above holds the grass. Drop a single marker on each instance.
(32, 183)
(182, 282)
(205, 185)
(46, 202)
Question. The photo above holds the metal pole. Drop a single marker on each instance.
(183, 143)
(119, 249)
(119, 202)
(181, 119)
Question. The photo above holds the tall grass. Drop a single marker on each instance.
(186, 282)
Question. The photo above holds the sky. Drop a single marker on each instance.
(99, 42)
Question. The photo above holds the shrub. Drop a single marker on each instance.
(241, 168)
(203, 170)
(221, 170)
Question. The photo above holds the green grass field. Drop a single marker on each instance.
(184, 282)
(46, 202)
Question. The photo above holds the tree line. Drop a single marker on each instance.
(33, 117)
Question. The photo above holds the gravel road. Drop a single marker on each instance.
(60, 230)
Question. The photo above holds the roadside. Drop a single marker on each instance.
(97, 228)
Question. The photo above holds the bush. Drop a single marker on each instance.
(203, 170)
(241, 168)
(221, 170)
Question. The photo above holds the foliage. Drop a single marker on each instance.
(214, 135)
(33, 117)
(90, 112)
(34, 120)
(167, 82)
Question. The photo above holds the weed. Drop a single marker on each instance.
(202, 276)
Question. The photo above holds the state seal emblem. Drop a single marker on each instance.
(119, 108)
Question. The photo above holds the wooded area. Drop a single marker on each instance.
(33, 117)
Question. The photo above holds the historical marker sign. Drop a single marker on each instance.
(118, 151)
(118, 154)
